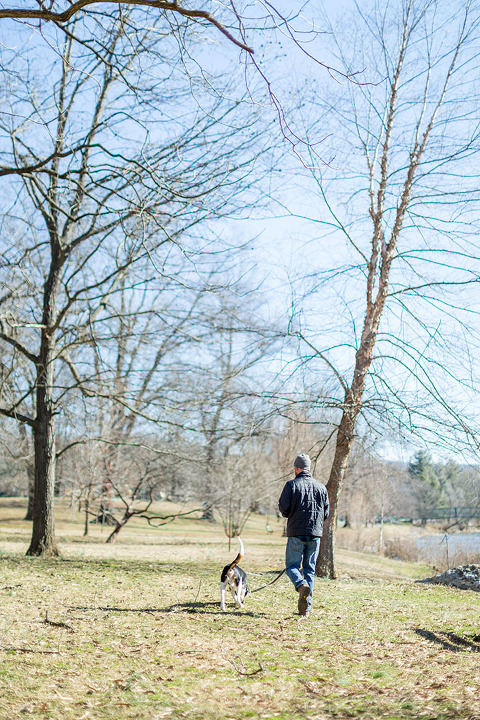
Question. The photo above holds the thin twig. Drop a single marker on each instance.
(241, 672)
(29, 650)
(57, 624)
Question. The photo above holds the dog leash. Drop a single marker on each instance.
(270, 583)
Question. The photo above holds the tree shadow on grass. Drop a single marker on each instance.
(451, 641)
(203, 608)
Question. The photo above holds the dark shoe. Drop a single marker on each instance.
(303, 593)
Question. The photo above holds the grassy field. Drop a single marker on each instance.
(134, 630)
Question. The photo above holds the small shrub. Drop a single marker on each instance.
(399, 549)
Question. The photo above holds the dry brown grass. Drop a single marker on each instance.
(143, 637)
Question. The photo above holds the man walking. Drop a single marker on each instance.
(304, 501)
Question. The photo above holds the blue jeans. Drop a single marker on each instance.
(302, 552)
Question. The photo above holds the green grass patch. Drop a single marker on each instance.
(134, 630)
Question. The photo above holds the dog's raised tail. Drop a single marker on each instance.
(240, 554)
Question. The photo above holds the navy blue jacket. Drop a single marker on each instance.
(304, 501)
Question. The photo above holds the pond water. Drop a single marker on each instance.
(460, 547)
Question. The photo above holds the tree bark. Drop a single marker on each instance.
(346, 430)
(118, 527)
(31, 490)
(86, 518)
(345, 436)
(43, 532)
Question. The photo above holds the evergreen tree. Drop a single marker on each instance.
(426, 483)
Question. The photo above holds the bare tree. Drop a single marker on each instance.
(98, 190)
(405, 174)
(242, 482)
(143, 471)
(223, 381)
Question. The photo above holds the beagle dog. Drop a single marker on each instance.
(235, 579)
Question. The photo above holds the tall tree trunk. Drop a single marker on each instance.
(87, 514)
(210, 492)
(345, 436)
(43, 532)
(346, 431)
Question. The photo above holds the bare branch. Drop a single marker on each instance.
(82, 5)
